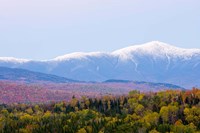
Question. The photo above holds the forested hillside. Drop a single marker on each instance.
(42, 92)
(166, 111)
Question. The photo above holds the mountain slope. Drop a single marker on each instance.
(151, 62)
(13, 74)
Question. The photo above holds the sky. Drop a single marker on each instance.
(45, 29)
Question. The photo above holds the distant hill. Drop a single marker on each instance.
(15, 74)
(117, 81)
(142, 84)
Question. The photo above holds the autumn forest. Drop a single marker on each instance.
(138, 112)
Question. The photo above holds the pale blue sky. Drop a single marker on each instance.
(44, 29)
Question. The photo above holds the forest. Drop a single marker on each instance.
(45, 92)
(174, 111)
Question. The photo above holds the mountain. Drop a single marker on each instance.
(14, 74)
(151, 62)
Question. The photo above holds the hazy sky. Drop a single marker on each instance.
(44, 29)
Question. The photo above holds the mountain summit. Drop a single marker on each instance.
(152, 62)
(157, 48)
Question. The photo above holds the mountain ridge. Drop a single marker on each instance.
(152, 62)
(155, 45)
(16, 74)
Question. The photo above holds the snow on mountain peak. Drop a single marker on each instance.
(150, 46)
(12, 59)
(155, 48)
(79, 55)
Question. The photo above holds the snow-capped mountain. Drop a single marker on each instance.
(152, 62)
